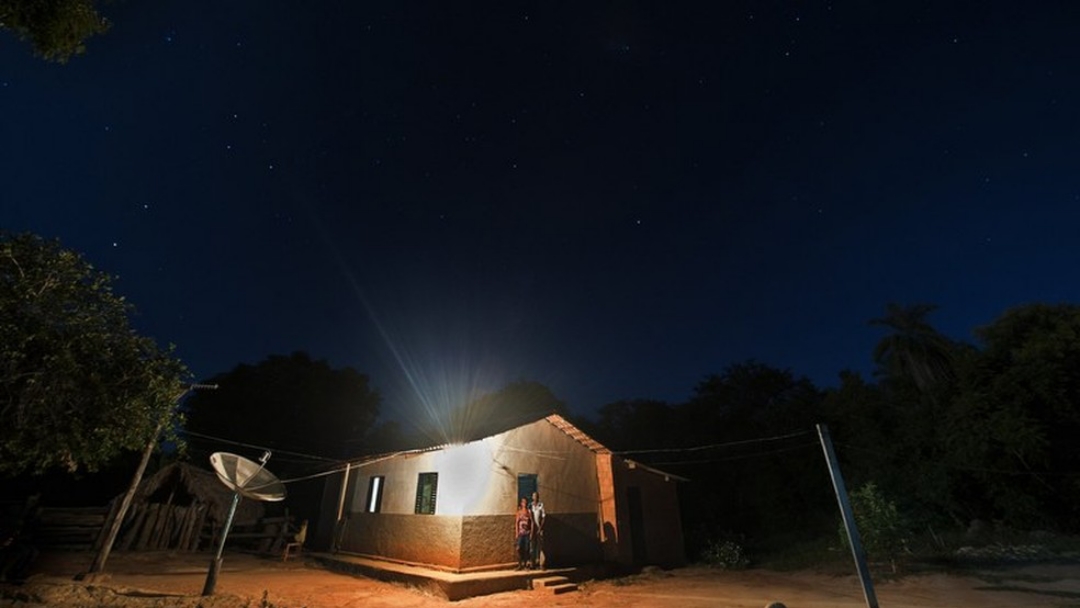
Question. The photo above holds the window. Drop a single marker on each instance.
(373, 504)
(426, 488)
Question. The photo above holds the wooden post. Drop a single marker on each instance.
(849, 517)
(339, 523)
(100, 540)
(114, 528)
(200, 523)
(138, 514)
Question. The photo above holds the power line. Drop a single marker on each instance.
(716, 445)
(258, 447)
(739, 457)
(338, 469)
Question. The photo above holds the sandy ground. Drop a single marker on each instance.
(171, 580)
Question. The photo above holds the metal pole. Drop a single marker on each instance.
(849, 517)
(215, 564)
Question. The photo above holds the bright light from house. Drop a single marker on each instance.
(467, 471)
(446, 359)
(376, 491)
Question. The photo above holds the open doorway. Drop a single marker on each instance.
(527, 484)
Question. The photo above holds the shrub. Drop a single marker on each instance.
(724, 554)
(884, 530)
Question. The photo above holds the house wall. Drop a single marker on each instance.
(325, 534)
(609, 519)
(661, 524)
(422, 539)
(476, 498)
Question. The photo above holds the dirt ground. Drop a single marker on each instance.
(175, 580)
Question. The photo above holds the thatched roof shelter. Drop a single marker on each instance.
(183, 484)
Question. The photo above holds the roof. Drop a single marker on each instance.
(555, 420)
(564, 425)
(577, 434)
(184, 483)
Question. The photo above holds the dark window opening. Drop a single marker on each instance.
(526, 486)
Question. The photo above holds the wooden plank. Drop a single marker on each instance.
(136, 516)
(161, 526)
(152, 512)
(185, 529)
(114, 506)
(196, 530)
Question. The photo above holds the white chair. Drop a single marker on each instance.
(297, 544)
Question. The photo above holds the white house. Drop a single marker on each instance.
(452, 507)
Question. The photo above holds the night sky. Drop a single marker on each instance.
(613, 199)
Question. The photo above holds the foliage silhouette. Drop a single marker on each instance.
(57, 29)
(78, 386)
(291, 403)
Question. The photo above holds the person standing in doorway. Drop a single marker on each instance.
(522, 533)
(536, 545)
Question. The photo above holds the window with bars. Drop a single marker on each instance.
(426, 489)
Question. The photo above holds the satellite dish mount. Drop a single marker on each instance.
(245, 478)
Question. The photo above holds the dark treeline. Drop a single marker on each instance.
(950, 432)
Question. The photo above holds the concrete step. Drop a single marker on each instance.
(555, 585)
(561, 589)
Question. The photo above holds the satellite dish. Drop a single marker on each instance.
(247, 477)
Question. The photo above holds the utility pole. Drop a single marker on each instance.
(118, 518)
(849, 517)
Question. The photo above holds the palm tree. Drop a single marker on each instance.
(915, 350)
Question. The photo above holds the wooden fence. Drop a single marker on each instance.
(157, 526)
(147, 527)
(68, 528)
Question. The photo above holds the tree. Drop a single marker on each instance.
(752, 470)
(751, 399)
(57, 29)
(1015, 422)
(636, 424)
(915, 351)
(289, 403)
(78, 386)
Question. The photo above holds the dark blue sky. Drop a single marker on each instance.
(614, 199)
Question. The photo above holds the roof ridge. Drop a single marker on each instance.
(576, 434)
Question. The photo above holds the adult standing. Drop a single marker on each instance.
(522, 533)
(536, 545)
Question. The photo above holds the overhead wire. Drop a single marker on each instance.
(714, 446)
(257, 447)
(344, 465)
(738, 457)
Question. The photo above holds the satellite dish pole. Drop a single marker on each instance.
(239, 473)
